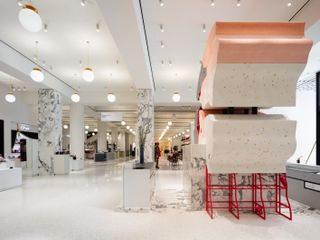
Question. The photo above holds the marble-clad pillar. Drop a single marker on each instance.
(146, 121)
(49, 124)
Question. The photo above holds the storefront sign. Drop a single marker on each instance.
(111, 116)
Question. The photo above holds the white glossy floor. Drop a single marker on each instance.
(87, 205)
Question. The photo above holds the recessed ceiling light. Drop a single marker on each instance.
(161, 3)
(86, 126)
(167, 127)
(75, 97)
(131, 130)
(238, 3)
(93, 134)
(123, 123)
(65, 126)
(212, 3)
(187, 130)
(95, 130)
(179, 134)
(169, 123)
(111, 97)
(289, 4)
(203, 28)
(30, 18)
(176, 97)
(182, 132)
(86, 132)
(161, 44)
(128, 127)
(83, 3)
(161, 28)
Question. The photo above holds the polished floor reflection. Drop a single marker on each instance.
(87, 205)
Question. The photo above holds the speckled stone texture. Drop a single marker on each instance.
(249, 143)
(243, 85)
(146, 118)
(49, 124)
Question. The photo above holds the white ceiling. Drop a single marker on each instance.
(69, 27)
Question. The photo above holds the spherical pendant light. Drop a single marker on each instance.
(176, 97)
(30, 18)
(10, 98)
(75, 97)
(88, 75)
(36, 74)
(111, 97)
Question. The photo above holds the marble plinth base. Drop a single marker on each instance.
(194, 164)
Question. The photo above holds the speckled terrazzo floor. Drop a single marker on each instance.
(85, 205)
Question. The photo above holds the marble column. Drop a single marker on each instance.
(49, 125)
(77, 132)
(146, 122)
(102, 136)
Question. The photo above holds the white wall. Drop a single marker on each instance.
(305, 115)
(21, 111)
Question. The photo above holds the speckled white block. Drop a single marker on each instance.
(246, 85)
(249, 143)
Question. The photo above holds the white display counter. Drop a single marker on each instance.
(10, 177)
(138, 186)
(61, 164)
(77, 164)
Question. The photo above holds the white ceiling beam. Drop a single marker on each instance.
(125, 22)
(19, 66)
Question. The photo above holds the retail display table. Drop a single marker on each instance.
(10, 177)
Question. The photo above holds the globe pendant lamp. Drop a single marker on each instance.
(10, 98)
(87, 73)
(36, 74)
(176, 97)
(111, 97)
(75, 97)
(30, 18)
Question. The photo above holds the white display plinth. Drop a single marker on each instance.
(77, 164)
(61, 164)
(138, 186)
(10, 177)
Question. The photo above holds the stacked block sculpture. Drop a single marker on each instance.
(245, 67)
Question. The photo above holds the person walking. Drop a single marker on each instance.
(157, 154)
